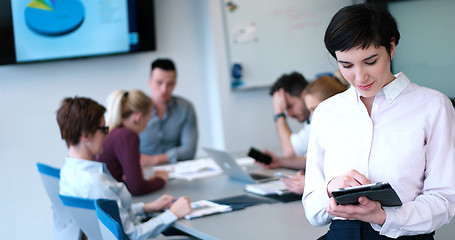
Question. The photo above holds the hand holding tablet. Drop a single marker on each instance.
(380, 191)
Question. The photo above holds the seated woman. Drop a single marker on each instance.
(316, 91)
(82, 126)
(127, 116)
(321, 89)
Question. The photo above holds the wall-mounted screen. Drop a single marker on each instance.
(41, 30)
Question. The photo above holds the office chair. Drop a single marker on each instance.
(111, 225)
(109, 220)
(83, 212)
(64, 225)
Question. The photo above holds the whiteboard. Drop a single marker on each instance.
(269, 38)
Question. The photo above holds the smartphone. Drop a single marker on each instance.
(281, 175)
(259, 156)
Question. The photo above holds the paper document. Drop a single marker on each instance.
(205, 208)
(188, 170)
(267, 188)
(194, 169)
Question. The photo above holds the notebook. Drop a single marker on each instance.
(204, 208)
(267, 188)
(229, 166)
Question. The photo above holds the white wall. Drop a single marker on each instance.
(190, 32)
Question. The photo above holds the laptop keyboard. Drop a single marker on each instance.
(258, 177)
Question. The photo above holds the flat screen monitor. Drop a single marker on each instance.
(43, 30)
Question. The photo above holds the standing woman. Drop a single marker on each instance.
(127, 115)
(82, 126)
(383, 128)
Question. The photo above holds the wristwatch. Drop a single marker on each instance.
(278, 115)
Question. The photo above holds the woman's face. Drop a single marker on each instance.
(311, 102)
(144, 120)
(368, 70)
(97, 139)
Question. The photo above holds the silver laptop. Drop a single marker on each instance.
(229, 166)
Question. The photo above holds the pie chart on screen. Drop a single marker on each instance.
(54, 17)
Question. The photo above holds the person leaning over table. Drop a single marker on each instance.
(383, 128)
(82, 126)
(287, 95)
(316, 91)
(127, 114)
(171, 134)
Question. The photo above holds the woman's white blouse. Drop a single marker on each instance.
(409, 141)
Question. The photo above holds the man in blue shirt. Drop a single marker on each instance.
(171, 133)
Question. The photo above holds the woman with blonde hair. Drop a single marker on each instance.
(127, 115)
(321, 89)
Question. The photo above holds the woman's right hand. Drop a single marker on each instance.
(350, 179)
(162, 202)
(163, 174)
(181, 207)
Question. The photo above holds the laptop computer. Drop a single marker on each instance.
(229, 166)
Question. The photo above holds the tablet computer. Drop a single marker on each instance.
(380, 191)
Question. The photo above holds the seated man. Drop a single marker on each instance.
(315, 92)
(171, 133)
(288, 94)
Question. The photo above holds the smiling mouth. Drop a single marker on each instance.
(365, 87)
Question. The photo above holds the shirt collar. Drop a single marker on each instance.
(391, 90)
(353, 95)
(394, 88)
(87, 165)
(171, 103)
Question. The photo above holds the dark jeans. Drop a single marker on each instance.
(357, 230)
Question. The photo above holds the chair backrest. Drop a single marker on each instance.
(83, 212)
(109, 220)
(64, 225)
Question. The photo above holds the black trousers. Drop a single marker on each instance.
(358, 230)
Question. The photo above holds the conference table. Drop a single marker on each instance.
(276, 220)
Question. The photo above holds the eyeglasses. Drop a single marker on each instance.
(104, 129)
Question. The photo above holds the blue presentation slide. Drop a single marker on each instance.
(52, 29)
(54, 17)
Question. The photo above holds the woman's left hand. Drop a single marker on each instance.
(295, 183)
(366, 211)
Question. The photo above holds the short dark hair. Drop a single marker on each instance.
(361, 25)
(293, 83)
(163, 63)
(77, 116)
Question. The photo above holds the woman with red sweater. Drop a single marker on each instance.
(127, 115)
